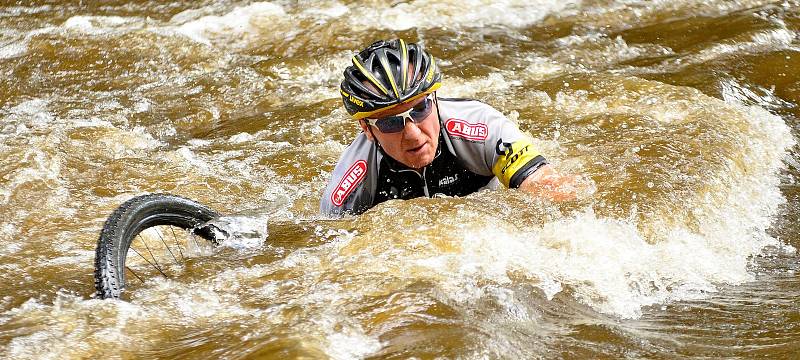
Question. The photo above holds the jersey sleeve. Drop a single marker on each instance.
(348, 189)
(514, 156)
(510, 153)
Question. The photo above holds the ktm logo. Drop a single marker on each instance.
(466, 130)
(351, 178)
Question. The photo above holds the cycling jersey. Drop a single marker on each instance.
(478, 148)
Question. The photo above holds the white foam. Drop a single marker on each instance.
(763, 41)
(241, 138)
(612, 268)
(344, 336)
(620, 14)
(13, 50)
(80, 258)
(42, 167)
(75, 328)
(8, 231)
(20, 47)
(121, 143)
(539, 68)
(495, 82)
(97, 24)
(599, 50)
(733, 218)
(332, 10)
(464, 13)
(607, 263)
(237, 22)
(189, 156)
(89, 25)
(142, 105)
(318, 78)
(326, 316)
(267, 17)
(92, 122)
(776, 37)
(67, 328)
(347, 340)
(20, 10)
(746, 95)
(33, 113)
(241, 232)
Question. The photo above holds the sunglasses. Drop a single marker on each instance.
(396, 123)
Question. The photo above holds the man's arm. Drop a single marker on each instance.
(510, 154)
(546, 182)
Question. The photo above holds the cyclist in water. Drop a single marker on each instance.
(414, 143)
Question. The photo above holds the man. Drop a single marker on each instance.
(415, 144)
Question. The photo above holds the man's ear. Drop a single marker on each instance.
(366, 131)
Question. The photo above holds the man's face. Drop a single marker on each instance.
(414, 146)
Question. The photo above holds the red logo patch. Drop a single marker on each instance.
(466, 130)
(351, 178)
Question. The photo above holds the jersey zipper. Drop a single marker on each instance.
(421, 176)
(425, 182)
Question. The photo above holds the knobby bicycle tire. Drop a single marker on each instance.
(130, 219)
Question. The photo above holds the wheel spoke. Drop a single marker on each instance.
(176, 243)
(148, 261)
(153, 256)
(134, 272)
(194, 240)
(167, 246)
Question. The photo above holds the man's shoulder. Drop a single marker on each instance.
(360, 147)
(350, 177)
(465, 107)
(359, 151)
(471, 120)
(462, 102)
(442, 98)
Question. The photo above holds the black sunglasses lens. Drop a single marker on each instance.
(391, 124)
(421, 111)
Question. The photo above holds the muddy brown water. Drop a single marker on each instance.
(684, 115)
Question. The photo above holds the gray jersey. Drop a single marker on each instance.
(478, 147)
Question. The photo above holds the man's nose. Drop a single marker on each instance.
(410, 129)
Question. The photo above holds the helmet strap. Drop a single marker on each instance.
(438, 113)
(375, 140)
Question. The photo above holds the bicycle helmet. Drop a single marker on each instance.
(395, 72)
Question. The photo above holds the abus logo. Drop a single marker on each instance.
(351, 178)
(466, 130)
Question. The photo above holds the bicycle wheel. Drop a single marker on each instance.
(146, 226)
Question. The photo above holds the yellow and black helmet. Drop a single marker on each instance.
(386, 74)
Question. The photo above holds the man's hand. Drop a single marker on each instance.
(549, 184)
